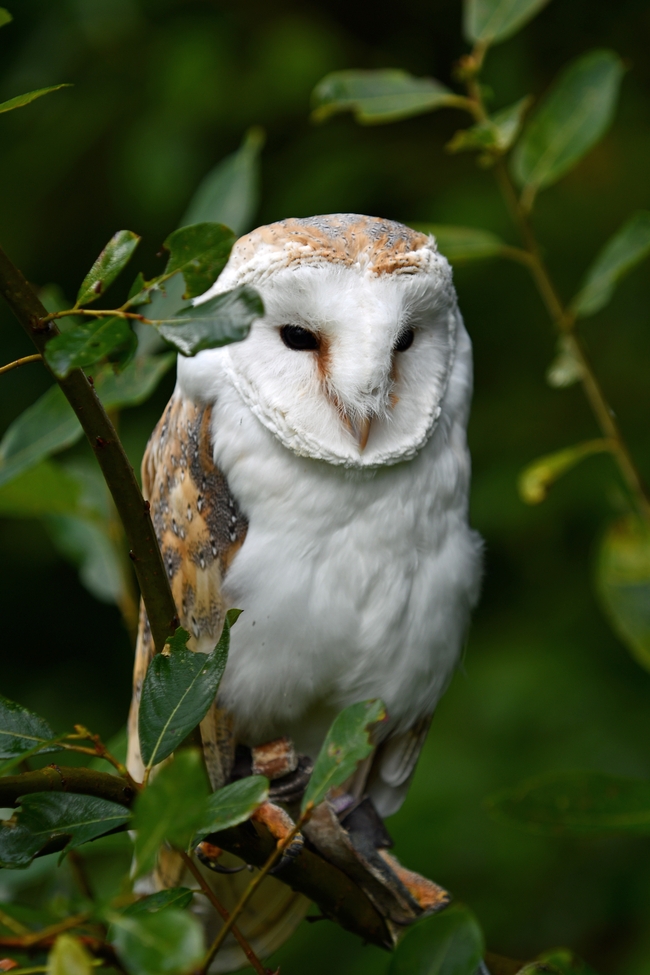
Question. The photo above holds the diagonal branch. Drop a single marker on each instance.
(106, 445)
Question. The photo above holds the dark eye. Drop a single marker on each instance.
(300, 339)
(405, 341)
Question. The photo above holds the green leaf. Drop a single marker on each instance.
(69, 957)
(627, 248)
(178, 897)
(536, 480)
(171, 808)
(178, 689)
(45, 427)
(623, 583)
(378, 96)
(566, 368)
(218, 321)
(90, 547)
(45, 489)
(165, 943)
(493, 21)
(569, 121)
(557, 961)
(135, 384)
(229, 194)
(200, 253)
(28, 97)
(44, 815)
(347, 743)
(112, 260)
(449, 943)
(575, 802)
(496, 135)
(460, 244)
(21, 730)
(89, 342)
(5, 17)
(231, 805)
(50, 425)
(178, 640)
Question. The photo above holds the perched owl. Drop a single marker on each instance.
(316, 475)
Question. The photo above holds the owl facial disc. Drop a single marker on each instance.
(351, 359)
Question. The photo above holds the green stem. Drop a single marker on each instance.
(561, 316)
(20, 362)
(252, 887)
(220, 909)
(117, 471)
(95, 313)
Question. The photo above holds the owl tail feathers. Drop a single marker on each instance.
(360, 850)
(268, 920)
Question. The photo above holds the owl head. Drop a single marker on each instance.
(352, 359)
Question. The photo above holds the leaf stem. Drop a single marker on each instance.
(253, 885)
(218, 906)
(35, 937)
(95, 313)
(21, 362)
(106, 445)
(10, 922)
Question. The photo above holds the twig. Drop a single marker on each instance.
(252, 887)
(35, 937)
(218, 906)
(78, 867)
(13, 925)
(20, 362)
(562, 318)
(96, 313)
(117, 471)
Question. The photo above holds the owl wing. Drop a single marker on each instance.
(200, 528)
(393, 766)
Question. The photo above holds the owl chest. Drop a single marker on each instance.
(335, 579)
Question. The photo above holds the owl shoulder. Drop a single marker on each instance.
(197, 520)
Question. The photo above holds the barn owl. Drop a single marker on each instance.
(316, 476)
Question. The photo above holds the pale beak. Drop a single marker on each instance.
(359, 427)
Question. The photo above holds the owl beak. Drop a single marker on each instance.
(359, 427)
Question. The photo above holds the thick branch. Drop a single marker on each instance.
(58, 778)
(338, 897)
(117, 471)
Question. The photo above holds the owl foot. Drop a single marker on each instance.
(280, 824)
(277, 760)
(209, 855)
(358, 846)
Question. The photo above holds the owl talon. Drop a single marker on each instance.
(289, 855)
(209, 855)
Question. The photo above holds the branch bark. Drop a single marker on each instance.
(59, 778)
(106, 445)
(337, 896)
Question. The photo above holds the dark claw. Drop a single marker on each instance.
(290, 854)
(209, 855)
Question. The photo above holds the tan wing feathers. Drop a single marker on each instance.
(199, 528)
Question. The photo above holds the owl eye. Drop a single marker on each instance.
(405, 341)
(300, 339)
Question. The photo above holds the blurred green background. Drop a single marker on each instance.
(163, 90)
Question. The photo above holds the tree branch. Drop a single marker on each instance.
(106, 445)
(337, 896)
(60, 778)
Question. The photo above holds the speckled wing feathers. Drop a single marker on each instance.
(199, 528)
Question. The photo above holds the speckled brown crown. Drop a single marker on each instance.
(378, 246)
